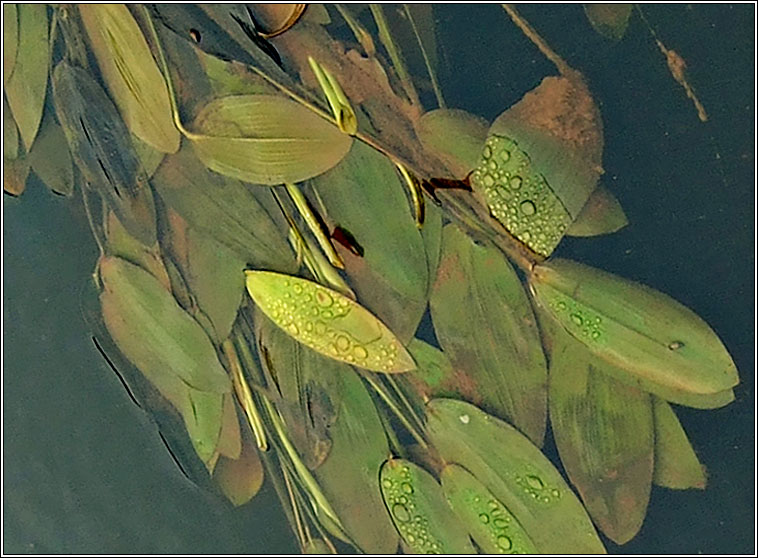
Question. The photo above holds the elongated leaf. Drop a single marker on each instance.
(604, 433)
(224, 209)
(485, 325)
(602, 214)
(131, 74)
(636, 329)
(455, 136)
(266, 139)
(10, 131)
(676, 464)
(230, 438)
(51, 160)
(15, 173)
(204, 423)
(516, 473)
(101, 147)
(488, 521)
(365, 195)
(27, 85)
(154, 332)
(240, 479)
(328, 322)
(10, 40)
(420, 512)
(610, 20)
(149, 158)
(431, 233)
(434, 375)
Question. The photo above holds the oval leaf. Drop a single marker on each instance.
(266, 139)
(420, 512)
(676, 464)
(635, 328)
(516, 473)
(328, 322)
(486, 326)
(154, 332)
(131, 74)
(491, 525)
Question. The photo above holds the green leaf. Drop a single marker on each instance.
(15, 173)
(676, 464)
(641, 332)
(485, 325)
(365, 195)
(266, 139)
(10, 40)
(602, 214)
(610, 20)
(420, 512)
(328, 322)
(516, 473)
(149, 158)
(50, 159)
(455, 136)
(604, 433)
(224, 209)
(491, 525)
(131, 74)
(10, 130)
(203, 419)
(155, 334)
(26, 87)
(434, 375)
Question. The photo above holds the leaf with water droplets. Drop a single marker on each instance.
(26, 87)
(51, 160)
(266, 139)
(516, 473)
(602, 214)
(328, 322)
(639, 332)
(609, 20)
(676, 464)
(604, 433)
(486, 326)
(131, 74)
(420, 512)
(488, 521)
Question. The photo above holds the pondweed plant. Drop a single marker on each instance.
(277, 210)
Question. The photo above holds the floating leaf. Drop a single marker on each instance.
(266, 139)
(602, 214)
(224, 209)
(101, 147)
(240, 479)
(153, 332)
(10, 40)
(604, 433)
(516, 473)
(328, 322)
(434, 375)
(485, 324)
(676, 464)
(15, 173)
(51, 160)
(131, 74)
(25, 88)
(455, 136)
(204, 423)
(149, 158)
(10, 130)
(641, 332)
(420, 512)
(491, 525)
(364, 195)
(610, 20)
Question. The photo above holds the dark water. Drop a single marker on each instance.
(84, 469)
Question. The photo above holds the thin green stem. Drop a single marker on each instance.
(304, 208)
(427, 62)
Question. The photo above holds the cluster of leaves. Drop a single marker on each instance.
(207, 171)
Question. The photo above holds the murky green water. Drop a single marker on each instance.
(85, 470)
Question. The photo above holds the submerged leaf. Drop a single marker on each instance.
(230, 438)
(154, 333)
(15, 173)
(131, 74)
(491, 525)
(516, 473)
(610, 20)
(10, 131)
(486, 326)
(266, 139)
(641, 332)
(455, 136)
(51, 160)
(328, 322)
(604, 433)
(420, 512)
(602, 214)
(10, 40)
(240, 479)
(676, 464)
(25, 88)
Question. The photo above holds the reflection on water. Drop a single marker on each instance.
(84, 468)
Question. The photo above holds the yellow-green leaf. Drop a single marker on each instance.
(266, 139)
(26, 87)
(328, 322)
(10, 40)
(51, 159)
(676, 464)
(10, 132)
(15, 173)
(131, 74)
